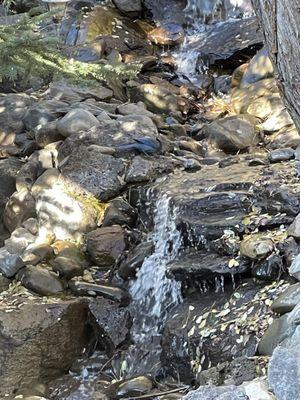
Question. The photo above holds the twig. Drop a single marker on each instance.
(158, 394)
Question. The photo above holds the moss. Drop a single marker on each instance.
(89, 201)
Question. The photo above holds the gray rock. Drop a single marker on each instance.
(142, 169)
(19, 207)
(131, 8)
(4, 283)
(217, 393)
(36, 253)
(135, 259)
(281, 155)
(35, 116)
(277, 121)
(72, 93)
(256, 246)
(110, 322)
(287, 300)
(294, 269)
(75, 121)
(283, 370)
(88, 171)
(260, 67)
(40, 280)
(232, 134)
(39, 341)
(10, 264)
(67, 267)
(31, 224)
(46, 134)
(19, 240)
(119, 212)
(167, 33)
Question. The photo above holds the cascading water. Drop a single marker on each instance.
(153, 293)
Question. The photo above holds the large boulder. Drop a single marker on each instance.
(39, 341)
(75, 121)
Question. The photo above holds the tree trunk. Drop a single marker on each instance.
(280, 22)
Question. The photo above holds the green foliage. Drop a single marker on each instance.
(25, 53)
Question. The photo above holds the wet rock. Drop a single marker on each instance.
(111, 324)
(108, 292)
(142, 169)
(192, 267)
(90, 172)
(232, 134)
(60, 210)
(19, 240)
(9, 263)
(135, 259)
(269, 269)
(19, 207)
(281, 155)
(287, 300)
(260, 67)
(129, 7)
(132, 387)
(169, 34)
(283, 370)
(76, 121)
(67, 267)
(294, 269)
(256, 246)
(36, 253)
(40, 280)
(224, 41)
(39, 341)
(106, 244)
(119, 212)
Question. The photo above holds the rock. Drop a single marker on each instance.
(67, 267)
(76, 121)
(19, 240)
(65, 248)
(269, 269)
(135, 259)
(72, 93)
(89, 172)
(27, 175)
(129, 7)
(157, 98)
(61, 211)
(19, 208)
(283, 370)
(294, 269)
(167, 34)
(232, 134)
(238, 74)
(119, 212)
(31, 224)
(36, 253)
(111, 324)
(294, 228)
(39, 341)
(9, 263)
(258, 390)
(277, 121)
(287, 300)
(135, 109)
(40, 281)
(4, 283)
(222, 84)
(106, 244)
(260, 67)
(281, 155)
(285, 137)
(46, 134)
(265, 106)
(108, 292)
(132, 387)
(142, 169)
(35, 116)
(216, 393)
(256, 246)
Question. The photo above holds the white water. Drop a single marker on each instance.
(153, 293)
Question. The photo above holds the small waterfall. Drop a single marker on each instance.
(153, 293)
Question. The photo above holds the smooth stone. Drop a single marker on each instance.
(40, 280)
(106, 244)
(119, 212)
(10, 264)
(256, 246)
(32, 225)
(281, 155)
(294, 269)
(94, 290)
(19, 207)
(75, 121)
(67, 267)
(287, 300)
(260, 67)
(217, 393)
(132, 387)
(132, 8)
(19, 240)
(36, 253)
(279, 120)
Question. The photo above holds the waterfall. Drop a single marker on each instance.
(153, 293)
